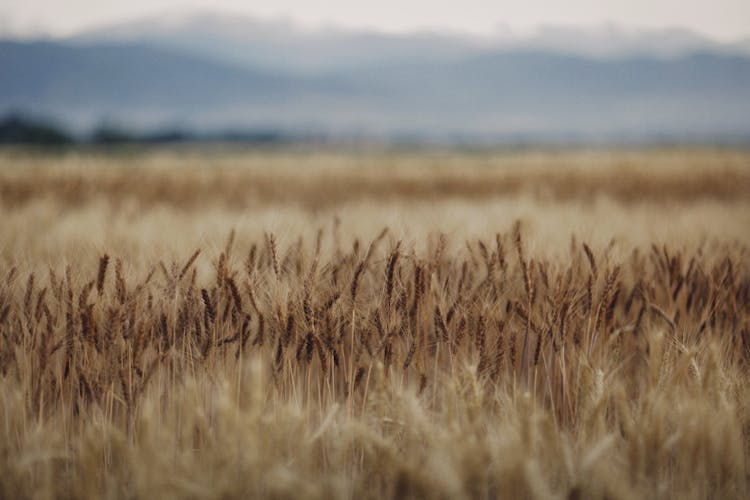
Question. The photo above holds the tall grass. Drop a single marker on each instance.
(329, 366)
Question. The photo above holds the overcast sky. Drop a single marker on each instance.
(725, 20)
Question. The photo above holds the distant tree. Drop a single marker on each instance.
(16, 129)
(112, 135)
(166, 136)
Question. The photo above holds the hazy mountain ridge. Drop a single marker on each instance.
(468, 88)
(138, 84)
(284, 46)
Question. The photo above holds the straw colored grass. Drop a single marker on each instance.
(462, 342)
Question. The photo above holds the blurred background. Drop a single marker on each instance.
(473, 72)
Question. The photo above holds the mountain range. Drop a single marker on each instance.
(210, 72)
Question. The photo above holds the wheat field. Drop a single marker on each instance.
(193, 323)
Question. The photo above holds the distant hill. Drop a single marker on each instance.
(464, 91)
(135, 83)
(283, 46)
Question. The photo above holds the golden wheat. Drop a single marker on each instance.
(335, 353)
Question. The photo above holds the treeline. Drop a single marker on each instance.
(16, 129)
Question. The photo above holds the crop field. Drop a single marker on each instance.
(325, 324)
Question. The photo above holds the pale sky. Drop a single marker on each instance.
(724, 20)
